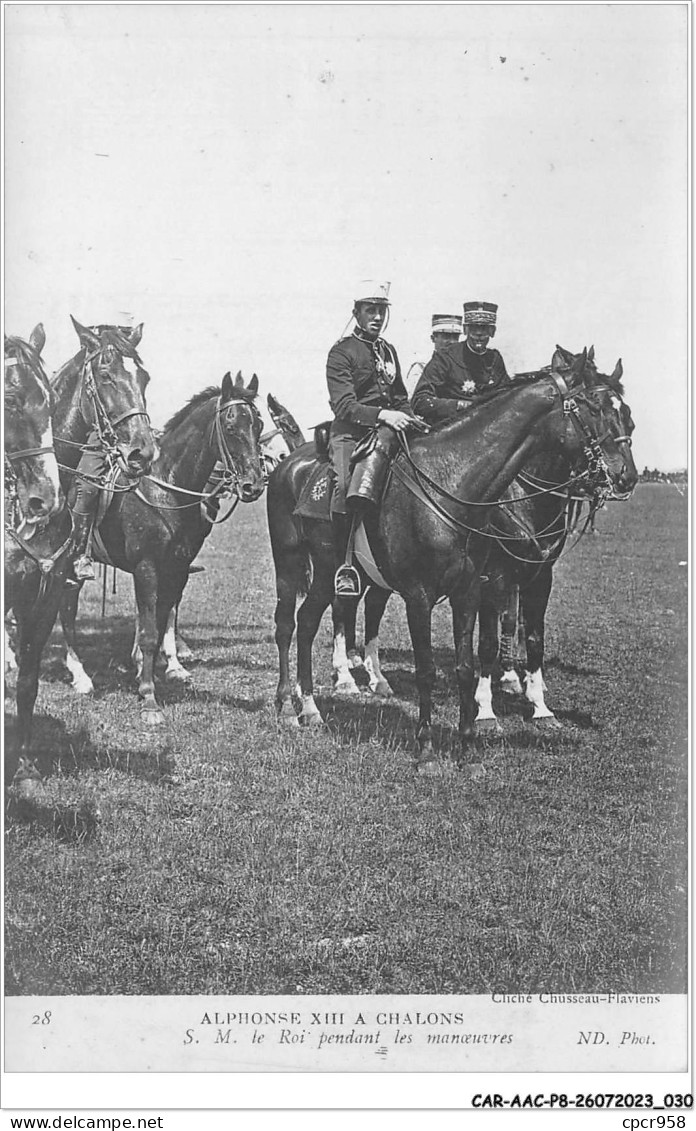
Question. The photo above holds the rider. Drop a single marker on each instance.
(84, 500)
(456, 374)
(446, 329)
(365, 389)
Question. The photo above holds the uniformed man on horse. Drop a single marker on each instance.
(365, 389)
(446, 330)
(458, 373)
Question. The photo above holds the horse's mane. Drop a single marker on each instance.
(116, 336)
(199, 398)
(182, 413)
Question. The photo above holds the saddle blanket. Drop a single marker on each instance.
(315, 497)
(315, 503)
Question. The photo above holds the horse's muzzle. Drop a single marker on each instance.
(250, 491)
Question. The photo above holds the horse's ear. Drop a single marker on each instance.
(561, 358)
(135, 335)
(227, 387)
(37, 338)
(618, 371)
(590, 354)
(253, 385)
(87, 338)
(239, 380)
(272, 403)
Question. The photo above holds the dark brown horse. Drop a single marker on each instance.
(156, 533)
(100, 389)
(520, 569)
(516, 586)
(32, 484)
(428, 539)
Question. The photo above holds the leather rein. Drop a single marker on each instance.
(595, 475)
(229, 476)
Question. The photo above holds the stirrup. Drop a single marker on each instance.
(347, 582)
(83, 569)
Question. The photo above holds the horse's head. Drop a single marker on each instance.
(112, 393)
(31, 468)
(599, 420)
(239, 427)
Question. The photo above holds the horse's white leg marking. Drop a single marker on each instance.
(534, 692)
(378, 682)
(344, 680)
(309, 715)
(183, 650)
(136, 651)
(510, 683)
(175, 671)
(81, 683)
(10, 658)
(484, 699)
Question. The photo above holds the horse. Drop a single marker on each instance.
(100, 389)
(275, 444)
(427, 538)
(156, 533)
(31, 473)
(32, 484)
(540, 501)
(544, 500)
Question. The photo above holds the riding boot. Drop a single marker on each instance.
(83, 568)
(347, 579)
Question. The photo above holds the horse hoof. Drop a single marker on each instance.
(488, 726)
(547, 722)
(151, 716)
(347, 687)
(311, 721)
(178, 675)
(382, 689)
(286, 716)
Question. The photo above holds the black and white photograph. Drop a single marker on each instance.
(346, 437)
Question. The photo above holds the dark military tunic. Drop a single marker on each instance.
(363, 377)
(454, 374)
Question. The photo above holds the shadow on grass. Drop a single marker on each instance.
(53, 745)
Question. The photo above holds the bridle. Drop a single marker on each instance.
(229, 475)
(97, 419)
(595, 477)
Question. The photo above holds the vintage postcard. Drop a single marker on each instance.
(346, 553)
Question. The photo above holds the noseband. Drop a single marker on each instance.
(230, 475)
(104, 426)
(597, 470)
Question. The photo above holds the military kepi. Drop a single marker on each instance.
(480, 313)
(446, 324)
(369, 290)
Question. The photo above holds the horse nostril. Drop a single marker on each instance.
(37, 507)
(247, 491)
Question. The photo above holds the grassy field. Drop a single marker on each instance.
(236, 858)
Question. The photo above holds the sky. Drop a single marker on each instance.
(227, 174)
